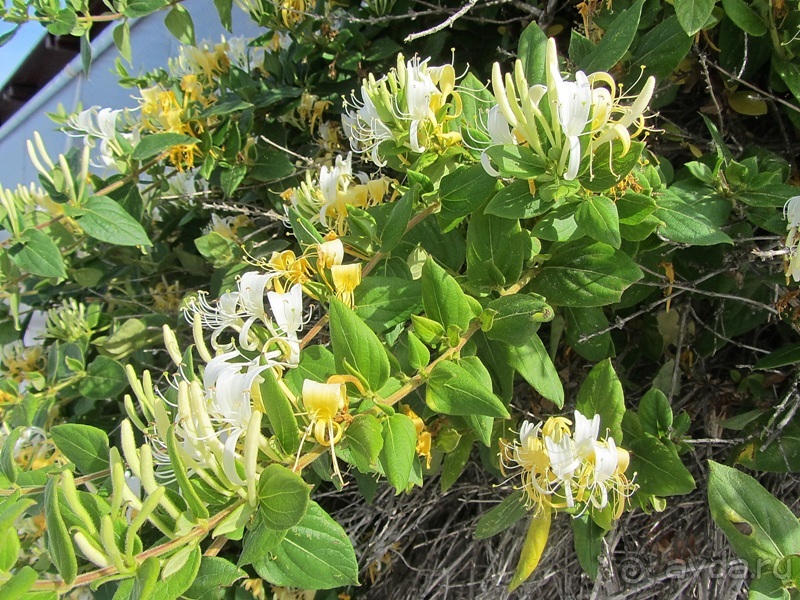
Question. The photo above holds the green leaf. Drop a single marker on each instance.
(790, 73)
(615, 43)
(173, 586)
(122, 39)
(59, 544)
(224, 11)
(141, 8)
(610, 165)
(588, 541)
(259, 542)
(634, 208)
(495, 250)
(787, 355)
(315, 554)
(502, 516)
(303, 230)
(384, 302)
(443, 299)
(598, 217)
(365, 440)
(9, 549)
(515, 201)
(399, 450)
(146, 579)
(534, 364)
(685, 224)
(781, 456)
(655, 413)
(316, 363)
(518, 317)
(462, 191)
(661, 50)
(180, 24)
(36, 253)
(156, 143)
(398, 219)
(455, 462)
(693, 14)
(588, 322)
(279, 411)
(758, 526)
(20, 583)
(356, 345)
(283, 497)
(215, 573)
(774, 195)
(531, 50)
(452, 390)
(7, 36)
(517, 161)
(230, 179)
(266, 159)
(8, 464)
(84, 445)
(105, 379)
(105, 220)
(744, 17)
(769, 587)
(63, 22)
(659, 470)
(601, 394)
(586, 274)
(86, 54)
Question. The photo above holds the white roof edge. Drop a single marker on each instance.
(74, 69)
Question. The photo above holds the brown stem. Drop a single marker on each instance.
(422, 376)
(38, 489)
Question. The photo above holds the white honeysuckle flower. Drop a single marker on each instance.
(252, 288)
(606, 461)
(216, 317)
(419, 90)
(96, 122)
(791, 212)
(573, 104)
(243, 56)
(563, 462)
(287, 309)
(229, 403)
(528, 431)
(499, 131)
(330, 180)
(585, 436)
(364, 127)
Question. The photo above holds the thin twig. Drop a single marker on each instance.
(448, 22)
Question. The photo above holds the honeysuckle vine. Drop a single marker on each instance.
(404, 258)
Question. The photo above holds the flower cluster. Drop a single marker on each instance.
(561, 469)
(325, 198)
(414, 106)
(215, 418)
(578, 117)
